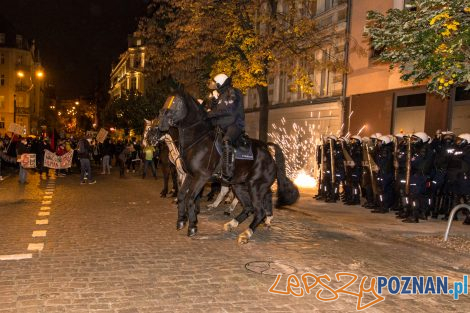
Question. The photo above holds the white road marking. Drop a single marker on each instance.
(46, 202)
(42, 222)
(39, 233)
(47, 197)
(36, 246)
(8, 257)
(49, 192)
(44, 213)
(45, 208)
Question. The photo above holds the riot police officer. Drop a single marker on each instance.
(353, 170)
(384, 160)
(421, 165)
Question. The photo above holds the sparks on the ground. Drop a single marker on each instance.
(304, 180)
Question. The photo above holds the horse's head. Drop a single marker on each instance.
(173, 112)
(151, 132)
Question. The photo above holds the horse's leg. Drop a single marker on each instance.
(193, 191)
(232, 206)
(242, 193)
(258, 196)
(223, 191)
(268, 207)
(166, 176)
(174, 179)
(182, 204)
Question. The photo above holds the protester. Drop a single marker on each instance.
(149, 152)
(84, 150)
(107, 152)
(22, 148)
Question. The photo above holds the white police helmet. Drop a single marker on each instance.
(332, 137)
(399, 135)
(357, 138)
(421, 135)
(385, 139)
(465, 137)
(220, 79)
(376, 136)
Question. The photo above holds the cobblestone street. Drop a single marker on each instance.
(113, 247)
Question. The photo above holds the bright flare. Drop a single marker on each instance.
(304, 180)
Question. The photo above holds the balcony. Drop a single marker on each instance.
(21, 88)
(22, 110)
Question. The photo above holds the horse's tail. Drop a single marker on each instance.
(287, 192)
(7, 158)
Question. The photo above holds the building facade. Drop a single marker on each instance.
(381, 102)
(127, 75)
(321, 112)
(21, 80)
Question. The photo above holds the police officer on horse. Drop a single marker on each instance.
(229, 116)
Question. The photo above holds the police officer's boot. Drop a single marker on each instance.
(228, 158)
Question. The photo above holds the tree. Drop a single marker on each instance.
(430, 44)
(130, 110)
(250, 40)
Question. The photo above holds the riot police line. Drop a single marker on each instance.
(415, 175)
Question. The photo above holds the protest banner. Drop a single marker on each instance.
(16, 129)
(101, 135)
(54, 161)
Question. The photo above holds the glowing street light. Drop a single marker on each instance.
(40, 74)
(20, 74)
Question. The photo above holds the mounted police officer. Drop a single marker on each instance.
(229, 115)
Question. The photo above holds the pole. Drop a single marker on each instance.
(14, 108)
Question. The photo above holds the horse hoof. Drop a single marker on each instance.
(244, 237)
(230, 225)
(180, 225)
(227, 213)
(192, 231)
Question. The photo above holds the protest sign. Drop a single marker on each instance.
(101, 135)
(28, 160)
(16, 129)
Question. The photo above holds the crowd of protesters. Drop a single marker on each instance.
(128, 155)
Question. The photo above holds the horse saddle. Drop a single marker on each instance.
(242, 147)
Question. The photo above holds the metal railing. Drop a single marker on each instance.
(451, 218)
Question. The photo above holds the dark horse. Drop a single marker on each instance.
(252, 180)
(152, 136)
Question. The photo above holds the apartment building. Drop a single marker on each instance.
(323, 111)
(381, 102)
(21, 81)
(127, 75)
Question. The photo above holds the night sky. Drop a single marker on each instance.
(77, 39)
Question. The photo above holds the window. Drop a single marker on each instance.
(407, 101)
(19, 60)
(409, 113)
(133, 83)
(19, 41)
(2, 101)
(2, 38)
(461, 94)
(2, 80)
(2, 125)
(409, 5)
(139, 42)
(2, 58)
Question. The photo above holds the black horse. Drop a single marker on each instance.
(252, 180)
